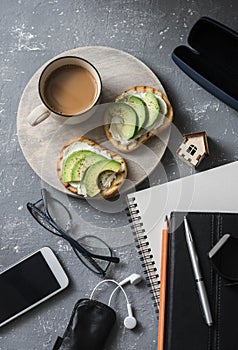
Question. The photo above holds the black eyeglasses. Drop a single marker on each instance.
(93, 252)
(224, 258)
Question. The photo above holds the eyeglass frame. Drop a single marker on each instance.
(32, 207)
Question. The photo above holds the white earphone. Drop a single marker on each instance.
(133, 279)
(130, 321)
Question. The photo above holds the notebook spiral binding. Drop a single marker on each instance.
(144, 251)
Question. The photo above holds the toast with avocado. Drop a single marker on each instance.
(89, 170)
(135, 116)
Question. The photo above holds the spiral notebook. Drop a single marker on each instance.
(212, 190)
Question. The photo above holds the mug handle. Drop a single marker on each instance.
(38, 114)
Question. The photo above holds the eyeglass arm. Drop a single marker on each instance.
(43, 195)
(113, 259)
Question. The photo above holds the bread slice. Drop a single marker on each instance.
(105, 192)
(144, 135)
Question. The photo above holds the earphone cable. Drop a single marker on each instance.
(110, 299)
(111, 296)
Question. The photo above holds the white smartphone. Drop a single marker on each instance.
(29, 282)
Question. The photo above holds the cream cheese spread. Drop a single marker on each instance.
(84, 146)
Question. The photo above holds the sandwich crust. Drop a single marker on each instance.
(106, 192)
(135, 143)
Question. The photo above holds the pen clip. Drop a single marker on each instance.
(187, 230)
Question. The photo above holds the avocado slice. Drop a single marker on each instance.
(69, 162)
(153, 108)
(92, 174)
(81, 166)
(141, 110)
(127, 119)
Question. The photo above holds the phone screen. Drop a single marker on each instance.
(25, 284)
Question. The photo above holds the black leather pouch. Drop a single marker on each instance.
(89, 326)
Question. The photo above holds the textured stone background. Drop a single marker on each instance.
(34, 31)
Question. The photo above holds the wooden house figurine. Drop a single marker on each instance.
(194, 148)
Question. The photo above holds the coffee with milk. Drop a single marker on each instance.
(70, 90)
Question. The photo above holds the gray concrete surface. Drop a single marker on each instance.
(33, 31)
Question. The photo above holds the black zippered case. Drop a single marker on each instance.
(212, 59)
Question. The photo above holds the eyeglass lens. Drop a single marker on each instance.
(95, 246)
(58, 213)
(226, 259)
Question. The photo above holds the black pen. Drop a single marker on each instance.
(198, 275)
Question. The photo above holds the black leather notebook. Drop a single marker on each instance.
(185, 327)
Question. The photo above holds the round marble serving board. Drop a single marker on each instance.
(41, 144)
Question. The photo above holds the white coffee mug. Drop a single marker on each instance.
(45, 110)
